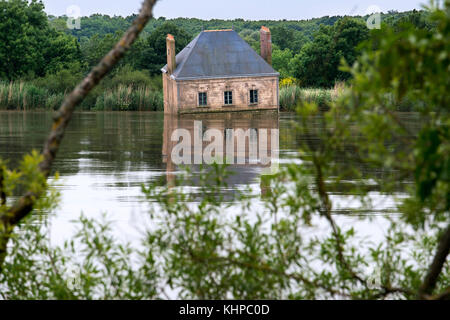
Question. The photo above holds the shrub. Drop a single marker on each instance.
(60, 82)
(125, 98)
(293, 95)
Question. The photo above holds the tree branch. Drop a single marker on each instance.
(263, 267)
(326, 206)
(2, 187)
(326, 211)
(62, 118)
(445, 295)
(435, 268)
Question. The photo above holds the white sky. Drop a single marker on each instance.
(229, 9)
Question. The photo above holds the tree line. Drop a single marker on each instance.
(50, 58)
(294, 244)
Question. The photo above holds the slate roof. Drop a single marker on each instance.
(219, 54)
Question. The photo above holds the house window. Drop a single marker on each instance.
(253, 96)
(202, 99)
(228, 98)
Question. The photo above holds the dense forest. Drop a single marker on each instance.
(41, 59)
(358, 209)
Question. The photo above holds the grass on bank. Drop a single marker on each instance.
(28, 96)
(293, 95)
(20, 95)
(125, 89)
(128, 98)
(134, 91)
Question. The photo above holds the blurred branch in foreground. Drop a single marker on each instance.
(12, 216)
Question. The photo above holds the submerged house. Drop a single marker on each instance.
(218, 71)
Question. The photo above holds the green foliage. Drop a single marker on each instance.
(153, 55)
(96, 47)
(22, 34)
(130, 90)
(23, 96)
(25, 177)
(96, 24)
(281, 60)
(29, 46)
(299, 31)
(418, 19)
(317, 64)
(125, 89)
(60, 82)
(129, 98)
(63, 52)
(291, 244)
(93, 265)
(127, 76)
(411, 64)
(213, 251)
(54, 58)
(288, 38)
(292, 96)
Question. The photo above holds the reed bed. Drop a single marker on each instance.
(128, 98)
(19, 95)
(293, 95)
(25, 96)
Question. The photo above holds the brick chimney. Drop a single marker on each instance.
(266, 44)
(171, 56)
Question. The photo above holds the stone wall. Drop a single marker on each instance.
(187, 91)
(170, 94)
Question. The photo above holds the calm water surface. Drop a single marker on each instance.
(106, 157)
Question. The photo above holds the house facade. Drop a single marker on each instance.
(219, 72)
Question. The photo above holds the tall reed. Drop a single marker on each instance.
(17, 95)
(22, 96)
(293, 95)
(128, 98)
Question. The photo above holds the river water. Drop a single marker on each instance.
(105, 158)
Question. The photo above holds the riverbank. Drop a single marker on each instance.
(293, 95)
(20, 95)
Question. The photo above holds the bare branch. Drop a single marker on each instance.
(326, 206)
(445, 295)
(263, 267)
(435, 269)
(2, 187)
(62, 118)
(326, 211)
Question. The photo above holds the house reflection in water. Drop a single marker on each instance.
(247, 142)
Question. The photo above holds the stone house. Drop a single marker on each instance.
(219, 72)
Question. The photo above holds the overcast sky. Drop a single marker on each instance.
(229, 9)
